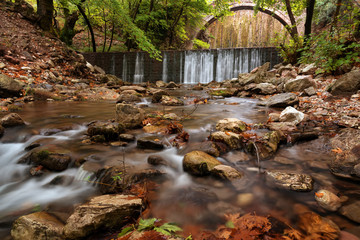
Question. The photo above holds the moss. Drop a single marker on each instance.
(44, 154)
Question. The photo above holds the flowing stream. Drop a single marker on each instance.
(186, 200)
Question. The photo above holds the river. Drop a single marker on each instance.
(181, 198)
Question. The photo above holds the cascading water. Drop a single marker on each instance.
(124, 69)
(165, 68)
(198, 67)
(139, 68)
(21, 193)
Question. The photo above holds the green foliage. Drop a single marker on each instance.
(335, 47)
(125, 231)
(117, 177)
(289, 49)
(44, 154)
(198, 44)
(168, 229)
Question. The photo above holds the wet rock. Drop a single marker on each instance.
(233, 140)
(157, 160)
(352, 211)
(318, 227)
(118, 144)
(127, 137)
(226, 172)
(344, 162)
(198, 88)
(9, 87)
(290, 114)
(295, 137)
(265, 89)
(223, 92)
(112, 80)
(245, 199)
(102, 212)
(171, 85)
(150, 142)
(171, 116)
(128, 98)
(308, 69)
(136, 88)
(236, 157)
(274, 117)
(290, 181)
(160, 84)
(327, 200)
(281, 100)
(199, 163)
(38, 225)
(348, 83)
(36, 171)
(267, 147)
(171, 101)
(109, 130)
(129, 116)
(212, 148)
(12, 120)
(50, 160)
(157, 95)
(231, 124)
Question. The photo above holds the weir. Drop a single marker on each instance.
(188, 67)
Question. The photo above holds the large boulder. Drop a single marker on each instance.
(281, 100)
(290, 181)
(291, 115)
(109, 130)
(129, 115)
(257, 75)
(300, 83)
(39, 226)
(348, 83)
(199, 163)
(102, 212)
(9, 87)
(231, 124)
(171, 101)
(12, 120)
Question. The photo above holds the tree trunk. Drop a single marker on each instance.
(45, 10)
(294, 32)
(68, 32)
(310, 5)
(81, 10)
(335, 18)
(112, 36)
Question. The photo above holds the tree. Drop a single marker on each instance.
(45, 11)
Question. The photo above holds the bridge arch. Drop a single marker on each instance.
(278, 15)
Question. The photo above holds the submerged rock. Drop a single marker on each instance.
(157, 95)
(290, 181)
(12, 120)
(327, 200)
(129, 115)
(223, 92)
(39, 226)
(232, 125)
(102, 212)
(199, 163)
(50, 160)
(352, 211)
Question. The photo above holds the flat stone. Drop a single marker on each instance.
(281, 100)
(290, 181)
(150, 142)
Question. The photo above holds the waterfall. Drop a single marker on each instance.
(124, 69)
(198, 67)
(165, 68)
(139, 68)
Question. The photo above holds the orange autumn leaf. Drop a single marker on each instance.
(337, 150)
(227, 133)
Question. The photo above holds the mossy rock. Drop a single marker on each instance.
(199, 163)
